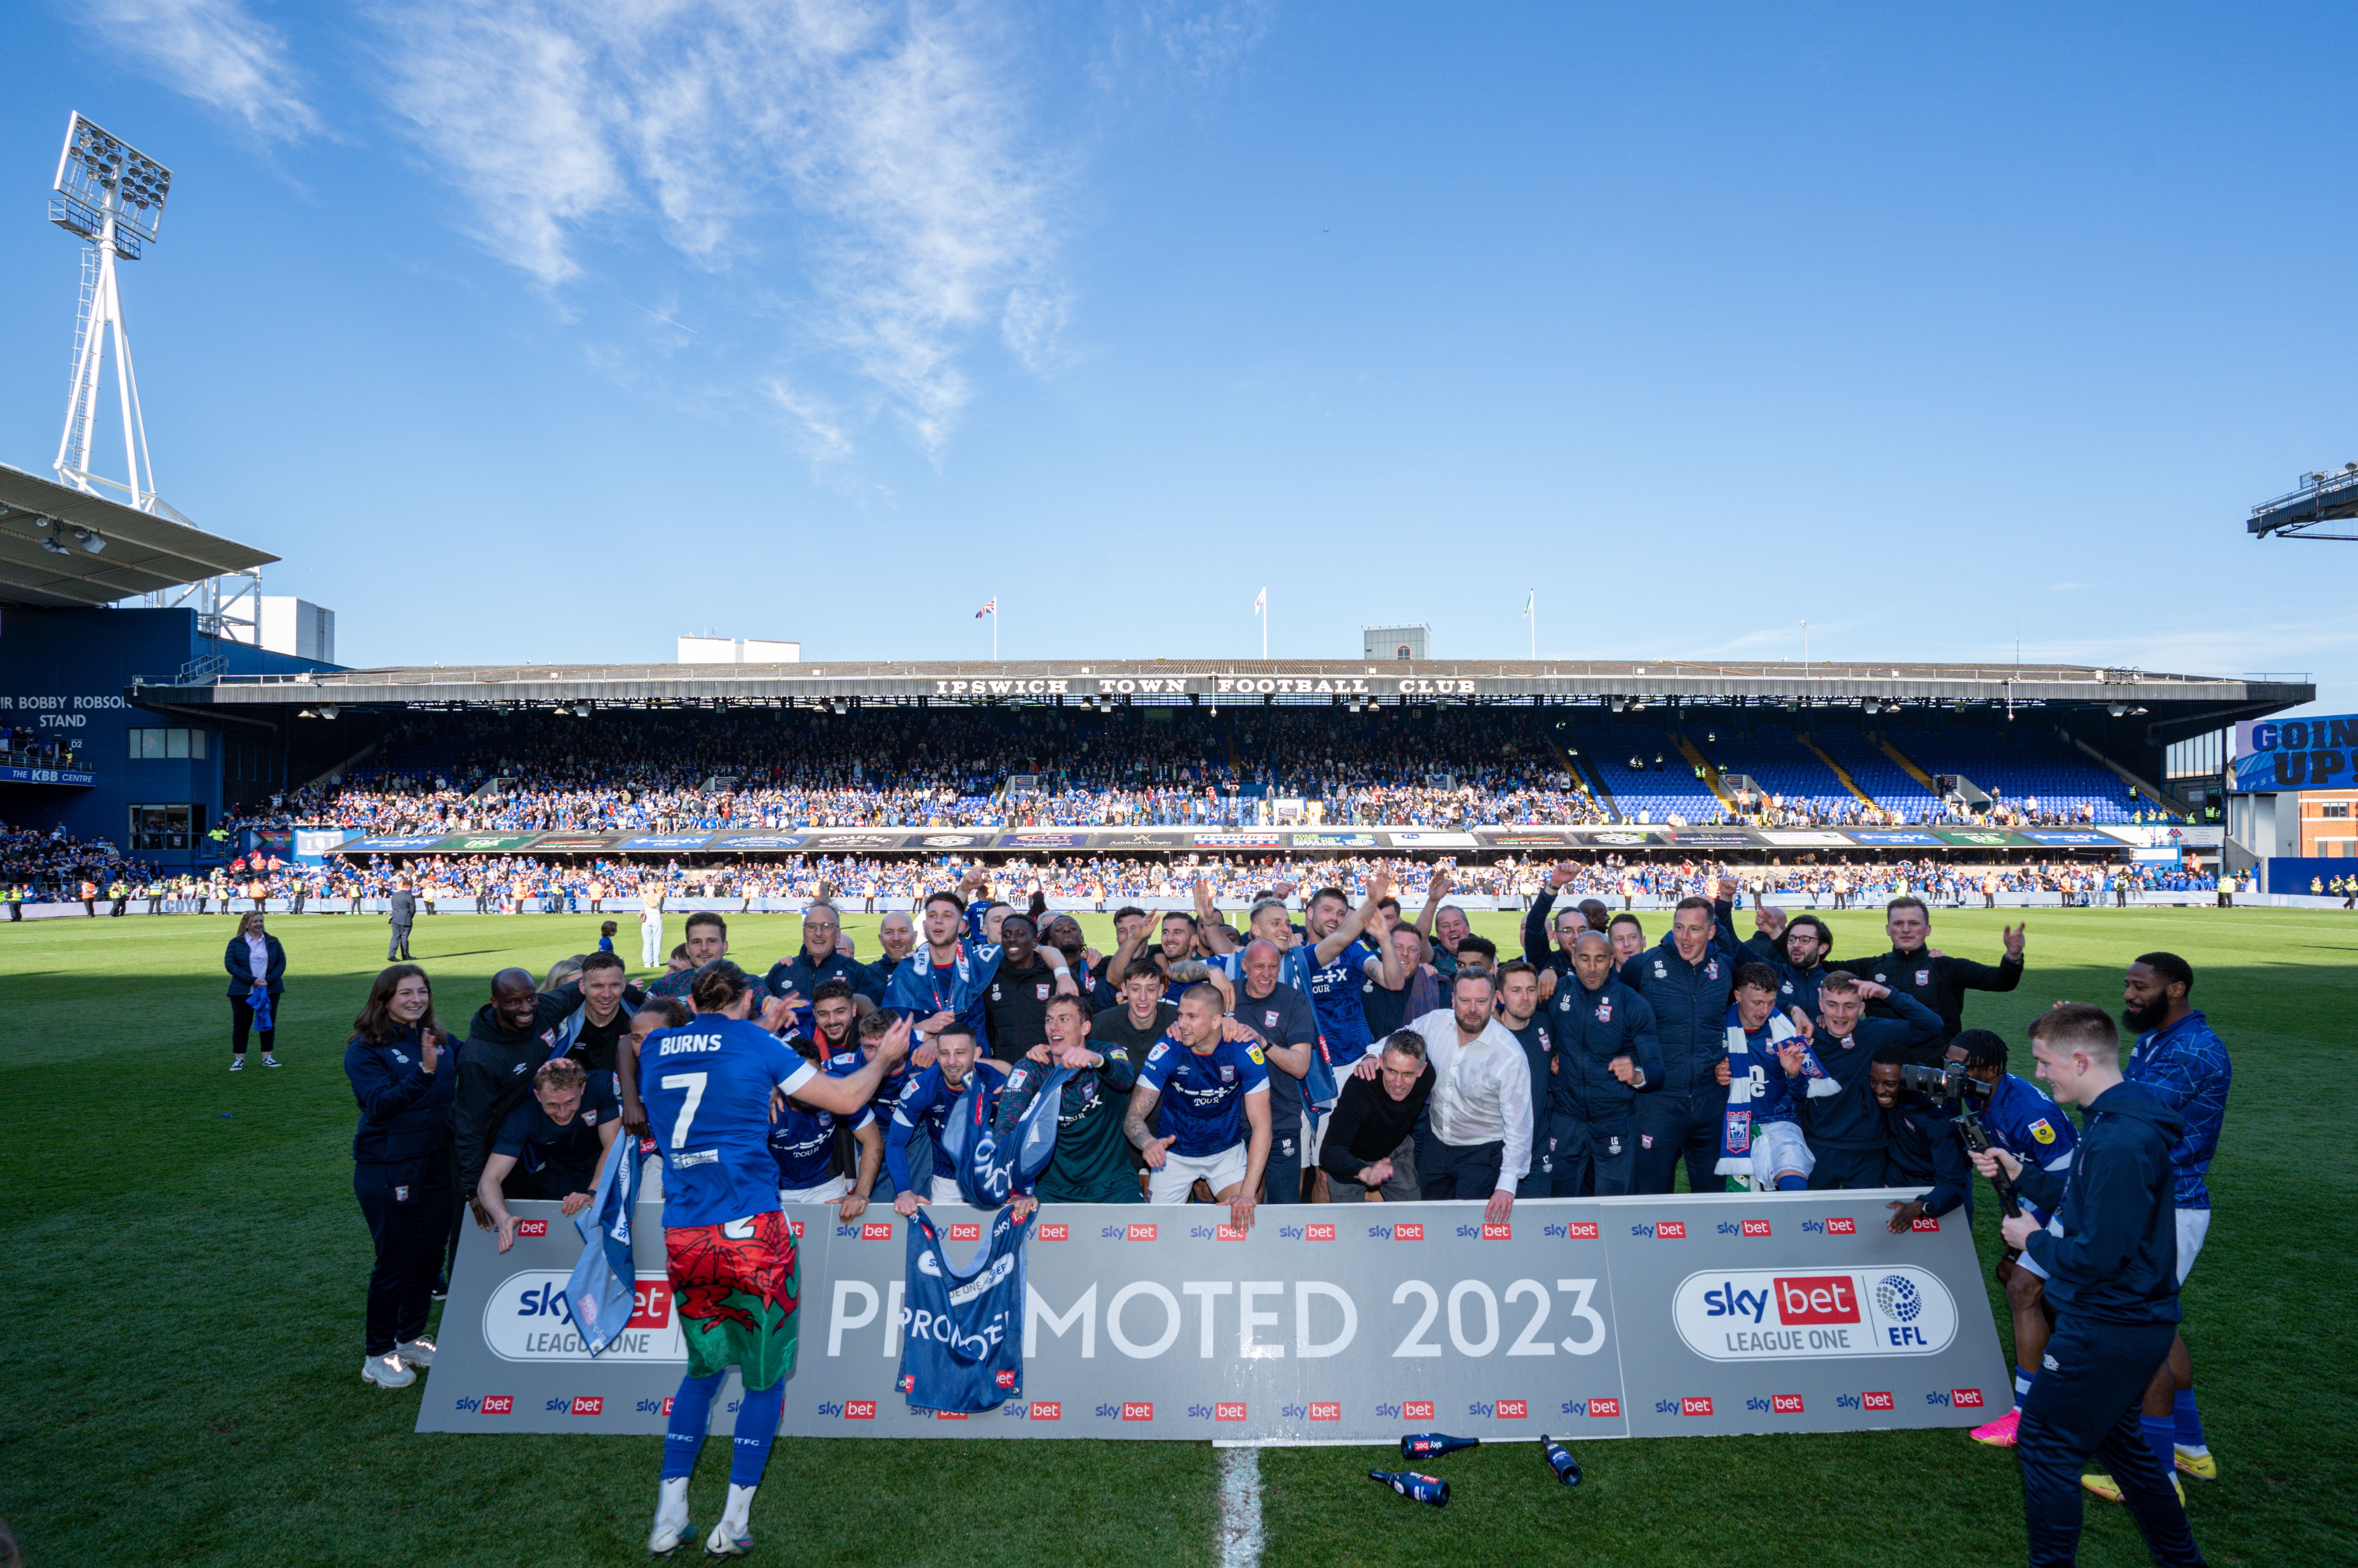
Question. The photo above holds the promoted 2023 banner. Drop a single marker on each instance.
(1616, 1317)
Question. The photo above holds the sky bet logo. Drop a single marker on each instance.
(1841, 1227)
(1138, 1232)
(532, 1228)
(489, 1404)
(1875, 1401)
(1054, 1233)
(1416, 1409)
(876, 1232)
(1047, 1410)
(1661, 1230)
(1695, 1404)
(1923, 1222)
(588, 1404)
(1578, 1230)
(969, 1232)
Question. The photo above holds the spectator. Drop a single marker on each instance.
(258, 971)
(1477, 1142)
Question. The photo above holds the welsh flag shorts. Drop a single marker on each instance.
(734, 1285)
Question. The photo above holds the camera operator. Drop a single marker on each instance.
(1921, 1147)
(2110, 1258)
(2019, 1119)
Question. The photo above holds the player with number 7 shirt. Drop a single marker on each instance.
(711, 1088)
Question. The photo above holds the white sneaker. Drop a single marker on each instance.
(728, 1541)
(387, 1372)
(270, 1061)
(417, 1352)
(672, 1529)
(237, 1064)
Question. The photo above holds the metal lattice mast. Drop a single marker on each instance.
(111, 195)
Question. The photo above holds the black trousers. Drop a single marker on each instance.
(2085, 1404)
(1587, 1162)
(1838, 1168)
(1448, 1170)
(397, 944)
(240, 1019)
(407, 1207)
(1669, 1124)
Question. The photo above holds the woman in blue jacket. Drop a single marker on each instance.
(402, 1067)
(256, 965)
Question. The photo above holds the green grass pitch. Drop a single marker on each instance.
(185, 1265)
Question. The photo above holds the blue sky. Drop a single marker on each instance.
(552, 331)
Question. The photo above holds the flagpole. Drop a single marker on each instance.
(1532, 613)
(994, 628)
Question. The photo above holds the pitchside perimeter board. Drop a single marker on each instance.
(1599, 1318)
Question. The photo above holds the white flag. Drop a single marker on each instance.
(1260, 603)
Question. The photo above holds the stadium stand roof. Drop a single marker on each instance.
(2323, 497)
(2174, 701)
(144, 553)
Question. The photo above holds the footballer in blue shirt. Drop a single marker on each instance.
(927, 1102)
(712, 1089)
(1210, 1080)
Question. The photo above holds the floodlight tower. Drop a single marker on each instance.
(113, 196)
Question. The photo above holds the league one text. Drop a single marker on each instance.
(1616, 1317)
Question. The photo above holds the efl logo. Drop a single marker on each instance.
(1756, 1227)
(1874, 1402)
(1498, 1232)
(1047, 1410)
(588, 1404)
(1924, 1222)
(1416, 1409)
(532, 1228)
(1513, 1409)
(1785, 1404)
(1841, 1227)
(1965, 1399)
(1005, 1379)
(877, 1232)
(965, 1233)
(1140, 1233)
(1584, 1230)
(1317, 1233)
(1228, 1412)
(1692, 1405)
(1408, 1233)
(860, 1410)
(1805, 1302)
(1143, 1410)
(1605, 1407)
(1055, 1233)
(499, 1404)
(1230, 1233)
(1327, 1411)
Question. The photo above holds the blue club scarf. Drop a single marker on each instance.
(604, 1291)
(1736, 1127)
(993, 1162)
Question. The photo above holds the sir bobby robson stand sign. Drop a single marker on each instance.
(1612, 1318)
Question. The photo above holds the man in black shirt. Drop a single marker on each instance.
(1369, 1145)
(1141, 1020)
(506, 1043)
(1518, 1011)
(1015, 1007)
(1937, 981)
(604, 1019)
(558, 1134)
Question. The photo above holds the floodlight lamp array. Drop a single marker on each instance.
(98, 172)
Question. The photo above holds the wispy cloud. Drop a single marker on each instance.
(214, 51)
(882, 144)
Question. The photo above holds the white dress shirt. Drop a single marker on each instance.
(1481, 1092)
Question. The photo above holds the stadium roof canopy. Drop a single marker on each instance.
(141, 553)
(2176, 704)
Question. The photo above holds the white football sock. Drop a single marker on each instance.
(741, 1506)
(673, 1503)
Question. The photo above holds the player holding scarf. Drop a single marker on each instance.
(1769, 1071)
(711, 1088)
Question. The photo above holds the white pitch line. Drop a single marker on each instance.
(1240, 1536)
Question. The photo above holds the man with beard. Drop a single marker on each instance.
(1177, 934)
(1936, 979)
(1795, 948)
(1443, 925)
(805, 1139)
(1687, 980)
(1518, 1011)
(1092, 1162)
(1015, 1004)
(1064, 934)
(506, 1043)
(708, 943)
(2183, 1065)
